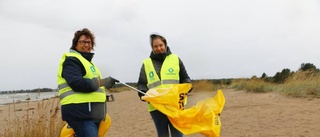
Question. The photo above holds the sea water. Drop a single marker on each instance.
(23, 97)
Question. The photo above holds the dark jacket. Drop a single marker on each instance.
(73, 72)
(157, 60)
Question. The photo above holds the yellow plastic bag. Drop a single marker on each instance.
(67, 131)
(204, 117)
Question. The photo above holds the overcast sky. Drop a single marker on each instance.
(215, 39)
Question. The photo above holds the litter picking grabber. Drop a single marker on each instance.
(132, 87)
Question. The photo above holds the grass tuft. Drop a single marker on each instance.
(299, 84)
(42, 121)
(203, 85)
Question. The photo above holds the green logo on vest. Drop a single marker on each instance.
(151, 74)
(171, 71)
(92, 69)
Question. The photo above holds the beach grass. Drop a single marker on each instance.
(203, 85)
(299, 84)
(302, 84)
(252, 85)
(34, 119)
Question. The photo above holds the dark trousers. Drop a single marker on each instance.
(163, 124)
(86, 128)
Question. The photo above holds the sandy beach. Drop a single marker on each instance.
(244, 115)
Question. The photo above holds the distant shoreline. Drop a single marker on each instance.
(15, 92)
(25, 97)
(26, 101)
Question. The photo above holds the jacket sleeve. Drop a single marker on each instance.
(73, 72)
(142, 82)
(184, 77)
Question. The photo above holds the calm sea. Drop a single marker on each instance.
(18, 97)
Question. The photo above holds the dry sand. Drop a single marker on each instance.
(244, 115)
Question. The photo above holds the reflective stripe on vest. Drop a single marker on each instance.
(70, 92)
(169, 74)
(158, 83)
(67, 95)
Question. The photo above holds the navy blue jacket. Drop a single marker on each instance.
(73, 72)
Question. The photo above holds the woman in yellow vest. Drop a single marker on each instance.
(161, 69)
(81, 89)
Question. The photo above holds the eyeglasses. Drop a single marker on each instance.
(82, 42)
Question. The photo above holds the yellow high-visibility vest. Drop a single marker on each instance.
(169, 74)
(67, 95)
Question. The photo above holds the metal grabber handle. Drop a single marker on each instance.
(130, 87)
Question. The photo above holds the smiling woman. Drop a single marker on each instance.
(81, 87)
(158, 43)
(85, 44)
(83, 41)
(162, 69)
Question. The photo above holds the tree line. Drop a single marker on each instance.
(280, 77)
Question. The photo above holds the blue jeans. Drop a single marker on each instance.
(85, 128)
(163, 124)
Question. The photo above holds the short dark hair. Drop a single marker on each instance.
(156, 36)
(86, 32)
